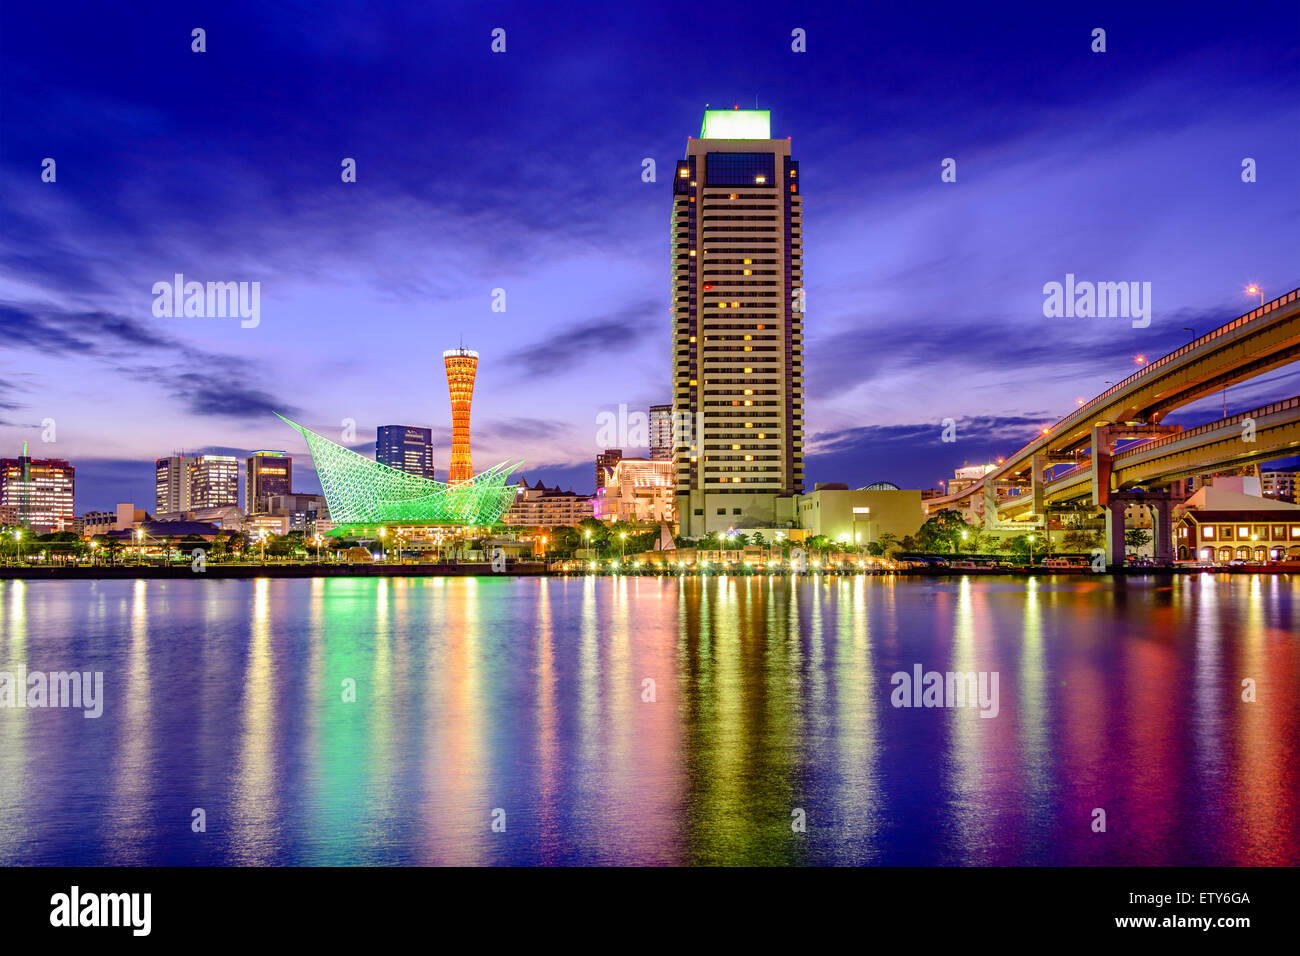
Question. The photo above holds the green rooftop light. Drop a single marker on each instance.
(736, 124)
(362, 492)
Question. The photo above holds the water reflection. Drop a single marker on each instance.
(651, 720)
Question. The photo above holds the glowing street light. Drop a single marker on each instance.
(1256, 290)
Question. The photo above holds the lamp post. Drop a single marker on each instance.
(1256, 290)
(622, 544)
(383, 553)
(18, 551)
(1031, 550)
(261, 537)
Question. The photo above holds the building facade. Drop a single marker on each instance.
(604, 462)
(266, 474)
(737, 264)
(406, 448)
(661, 432)
(638, 489)
(1280, 484)
(40, 491)
(542, 507)
(214, 482)
(172, 483)
(861, 516)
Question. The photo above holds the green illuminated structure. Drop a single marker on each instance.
(362, 493)
(736, 124)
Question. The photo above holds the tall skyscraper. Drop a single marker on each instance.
(266, 473)
(605, 461)
(214, 482)
(737, 326)
(40, 492)
(172, 484)
(462, 364)
(405, 448)
(661, 432)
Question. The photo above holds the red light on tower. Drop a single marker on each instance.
(461, 364)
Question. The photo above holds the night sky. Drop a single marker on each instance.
(522, 171)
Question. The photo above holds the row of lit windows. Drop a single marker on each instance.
(1246, 532)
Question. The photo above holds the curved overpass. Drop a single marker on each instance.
(1259, 341)
(1274, 433)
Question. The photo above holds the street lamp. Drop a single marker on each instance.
(1256, 290)
(622, 543)
(1031, 550)
(383, 553)
(261, 536)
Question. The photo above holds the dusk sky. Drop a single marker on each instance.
(522, 171)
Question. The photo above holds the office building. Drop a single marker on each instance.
(172, 483)
(406, 448)
(737, 255)
(40, 491)
(604, 462)
(661, 432)
(214, 482)
(266, 473)
(462, 365)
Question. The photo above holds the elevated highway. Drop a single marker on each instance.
(1259, 341)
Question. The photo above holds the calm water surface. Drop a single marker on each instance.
(771, 696)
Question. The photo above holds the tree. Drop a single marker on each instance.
(1137, 538)
(1080, 540)
(943, 532)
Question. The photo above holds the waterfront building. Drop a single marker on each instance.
(638, 489)
(214, 481)
(541, 507)
(462, 365)
(266, 473)
(172, 483)
(39, 490)
(737, 337)
(1220, 524)
(861, 516)
(406, 448)
(604, 462)
(661, 433)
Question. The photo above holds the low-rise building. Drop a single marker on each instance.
(541, 507)
(859, 516)
(1219, 525)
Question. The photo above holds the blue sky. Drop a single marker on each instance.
(522, 171)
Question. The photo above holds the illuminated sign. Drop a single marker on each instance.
(736, 124)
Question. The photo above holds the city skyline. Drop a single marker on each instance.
(917, 279)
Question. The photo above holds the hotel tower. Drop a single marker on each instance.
(461, 365)
(737, 254)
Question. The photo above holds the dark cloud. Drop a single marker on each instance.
(594, 339)
(209, 384)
